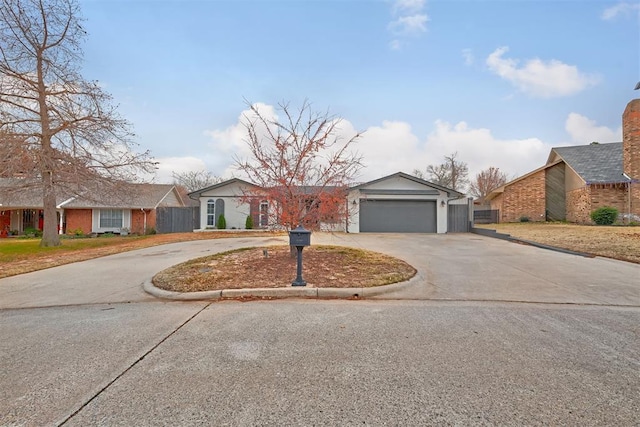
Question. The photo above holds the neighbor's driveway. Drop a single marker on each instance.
(450, 267)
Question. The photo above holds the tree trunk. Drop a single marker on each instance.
(50, 236)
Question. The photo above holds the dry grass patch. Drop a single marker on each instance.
(18, 256)
(323, 267)
(616, 242)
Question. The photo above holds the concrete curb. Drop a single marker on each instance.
(288, 292)
(509, 238)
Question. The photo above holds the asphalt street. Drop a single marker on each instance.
(83, 344)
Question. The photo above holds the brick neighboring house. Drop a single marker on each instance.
(133, 209)
(577, 180)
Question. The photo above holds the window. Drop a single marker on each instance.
(110, 218)
(211, 213)
(264, 210)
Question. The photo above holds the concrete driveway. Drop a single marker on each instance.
(82, 344)
(450, 267)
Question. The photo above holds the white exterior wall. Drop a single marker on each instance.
(235, 212)
(396, 183)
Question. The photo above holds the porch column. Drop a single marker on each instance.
(61, 222)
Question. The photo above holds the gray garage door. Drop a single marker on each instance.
(398, 216)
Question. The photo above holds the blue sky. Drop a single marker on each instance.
(500, 82)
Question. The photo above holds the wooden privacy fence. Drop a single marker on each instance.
(177, 220)
(459, 220)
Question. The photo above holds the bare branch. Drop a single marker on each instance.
(300, 163)
(63, 128)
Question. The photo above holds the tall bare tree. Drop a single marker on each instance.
(301, 163)
(453, 173)
(195, 180)
(486, 181)
(66, 125)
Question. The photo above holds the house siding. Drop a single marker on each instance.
(394, 183)
(524, 198)
(497, 204)
(78, 219)
(631, 151)
(579, 205)
(555, 193)
(137, 220)
(609, 195)
(235, 210)
(171, 200)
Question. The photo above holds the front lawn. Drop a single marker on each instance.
(19, 255)
(619, 242)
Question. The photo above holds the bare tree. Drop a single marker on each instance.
(195, 180)
(301, 163)
(453, 173)
(486, 181)
(66, 125)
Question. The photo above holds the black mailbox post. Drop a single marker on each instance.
(299, 237)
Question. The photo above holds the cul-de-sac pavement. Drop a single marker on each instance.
(489, 332)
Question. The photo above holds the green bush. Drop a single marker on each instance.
(149, 231)
(222, 223)
(32, 232)
(605, 215)
(524, 218)
(248, 224)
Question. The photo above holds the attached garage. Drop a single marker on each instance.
(398, 216)
(399, 203)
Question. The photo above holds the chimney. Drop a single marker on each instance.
(631, 139)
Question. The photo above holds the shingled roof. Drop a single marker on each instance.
(16, 193)
(595, 163)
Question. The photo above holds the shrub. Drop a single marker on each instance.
(32, 232)
(248, 224)
(149, 231)
(524, 218)
(605, 215)
(222, 223)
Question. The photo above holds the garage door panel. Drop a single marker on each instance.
(398, 216)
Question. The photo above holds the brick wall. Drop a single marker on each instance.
(496, 205)
(78, 219)
(524, 198)
(579, 205)
(581, 202)
(609, 195)
(137, 220)
(631, 150)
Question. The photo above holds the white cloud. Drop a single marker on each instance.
(538, 78)
(393, 146)
(168, 165)
(409, 21)
(622, 8)
(410, 6)
(467, 54)
(583, 130)
(395, 44)
(409, 25)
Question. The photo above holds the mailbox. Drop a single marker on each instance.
(300, 237)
